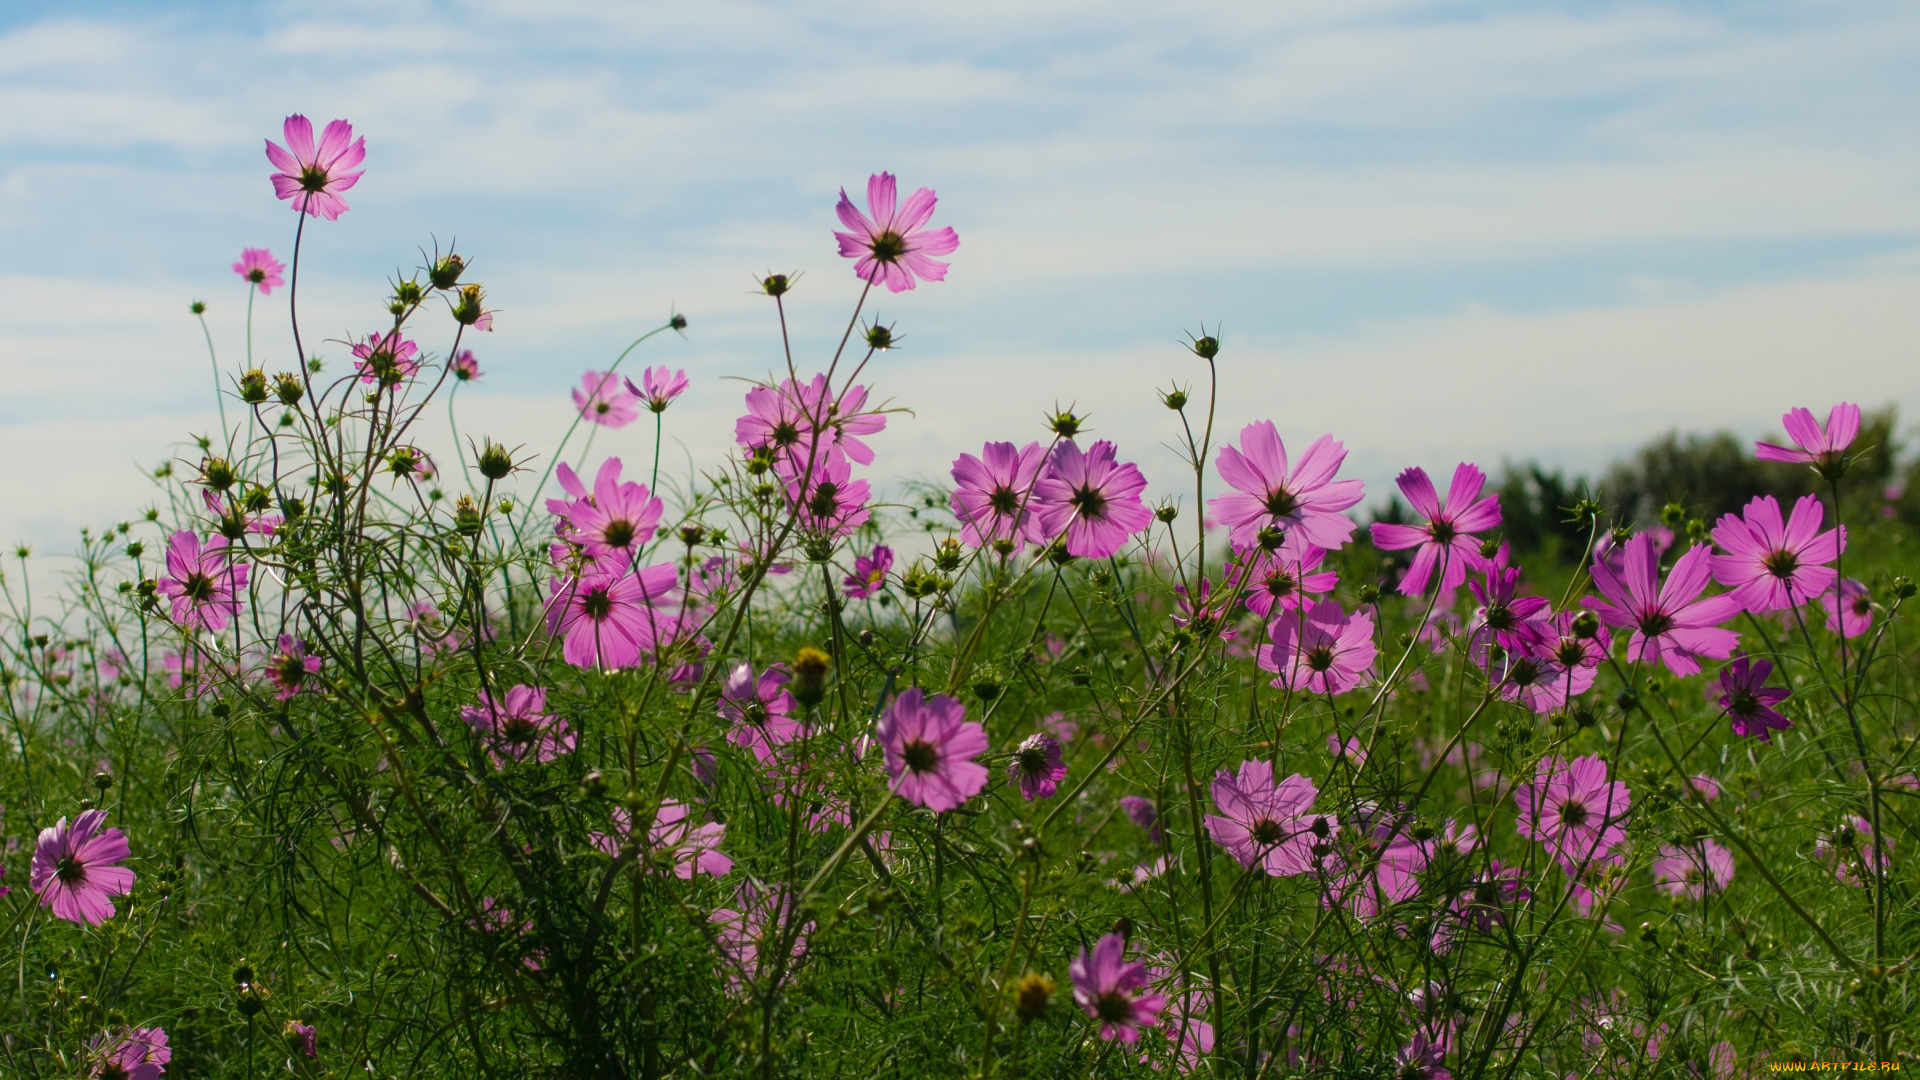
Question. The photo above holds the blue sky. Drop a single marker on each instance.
(1438, 230)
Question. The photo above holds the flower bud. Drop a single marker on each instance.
(593, 785)
(217, 474)
(1368, 593)
(198, 307)
(879, 338)
(468, 311)
(466, 517)
(1175, 399)
(446, 272)
(1270, 538)
(1166, 513)
(136, 549)
(286, 387)
(253, 387)
(776, 284)
(810, 676)
(1672, 514)
(678, 321)
(1586, 626)
(407, 293)
(1489, 547)
(1206, 347)
(692, 533)
(947, 558)
(1903, 588)
(1065, 424)
(818, 549)
(496, 462)
(1032, 994)
(1002, 546)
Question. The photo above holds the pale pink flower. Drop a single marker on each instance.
(1268, 825)
(258, 267)
(1446, 541)
(1091, 499)
(203, 581)
(675, 837)
(869, 573)
(128, 1054)
(1849, 608)
(1322, 649)
(1769, 565)
(747, 934)
(889, 241)
(1691, 871)
(602, 400)
(1573, 809)
(74, 868)
(291, 667)
(1267, 496)
(1113, 992)
(1038, 767)
(517, 727)
(991, 494)
(311, 177)
(1822, 446)
(1671, 623)
(930, 747)
(658, 387)
(385, 358)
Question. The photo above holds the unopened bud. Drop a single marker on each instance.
(198, 307)
(1586, 626)
(217, 474)
(949, 555)
(879, 337)
(496, 462)
(810, 676)
(287, 388)
(776, 284)
(1032, 995)
(446, 273)
(1175, 399)
(253, 387)
(1206, 347)
(407, 293)
(1166, 513)
(1065, 424)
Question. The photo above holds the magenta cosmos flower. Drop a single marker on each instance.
(74, 869)
(258, 267)
(991, 494)
(1850, 848)
(204, 583)
(760, 710)
(1267, 496)
(313, 177)
(1446, 540)
(1286, 577)
(517, 728)
(1537, 680)
(1113, 991)
(1670, 622)
(930, 746)
(1821, 446)
(303, 1036)
(291, 667)
(386, 358)
(1693, 870)
(832, 503)
(612, 522)
(675, 838)
(1091, 499)
(889, 241)
(128, 1054)
(1322, 649)
(1513, 622)
(1267, 825)
(465, 367)
(609, 620)
(658, 387)
(1038, 767)
(746, 933)
(1770, 565)
(1849, 608)
(1574, 810)
(602, 400)
(781, 420)
(1747, 699)
(869, 573)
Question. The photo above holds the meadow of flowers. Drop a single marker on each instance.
(340, 764)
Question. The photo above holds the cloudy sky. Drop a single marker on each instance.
(1439, 230)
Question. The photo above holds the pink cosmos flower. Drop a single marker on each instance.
(1513, 622)
(465, 367)
(1694, 870)
(1268, 825)
(1851, 850)
(869, 573)
(1574, 810)
(1038, 767)
(833, 503)
(602, 400)
(259, 268)
(1321, 649)
(692, 849)
(305, 1036)
(1539, 682)
(1849, 608)
(1379, 866)
(658, 387)
(1747, 699)
(1820, 446)
(892, 247)
(612, 522)
(1482, 905)
(1671, 625)
(1421, 1059)
(1347, 750)
(385, 358)
(291, 667)
(1286, 577)
(746, 934)
(129, 1054)
(991, 494)
(609, 619)
(518, 728)
(1091, 499)
(930, 747)
(1447, 537)
(1184, 1021)
(1770, 566)
(313, 178)
(1267, 496)
(74, 869)
(781, 420)
(1141, 812)
(760, 710)
(1114, 992)
(204, 583)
